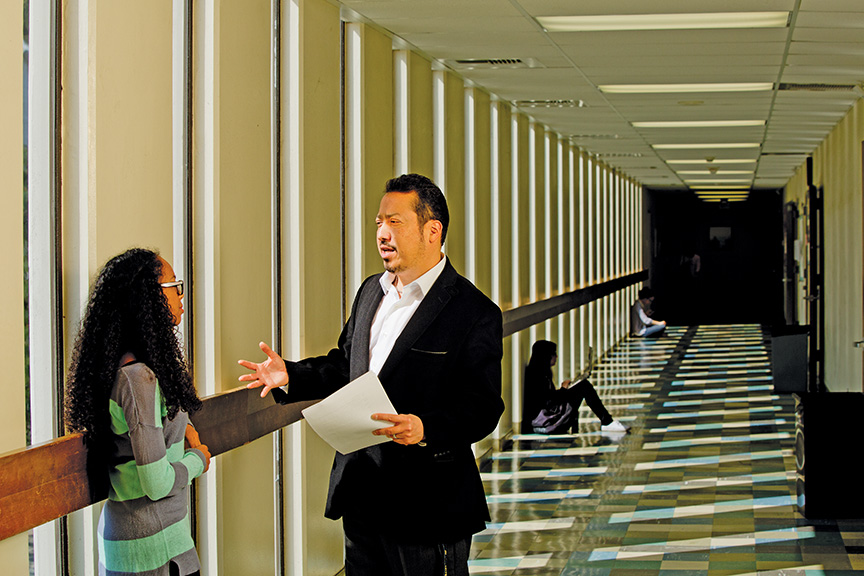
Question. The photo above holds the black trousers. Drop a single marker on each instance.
(371, 550)
(174, 571)
(584, 390)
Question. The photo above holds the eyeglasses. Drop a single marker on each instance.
(176, 284)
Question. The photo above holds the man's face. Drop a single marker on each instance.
(403, 243)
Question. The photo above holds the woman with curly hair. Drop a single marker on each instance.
(130, 393)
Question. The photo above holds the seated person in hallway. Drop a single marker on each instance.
(130, 393)
(434, 340)
(538, 391)
(641, 323)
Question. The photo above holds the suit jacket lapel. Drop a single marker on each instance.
(433, 303)
(369, 300)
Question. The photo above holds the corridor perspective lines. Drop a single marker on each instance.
(703, 484)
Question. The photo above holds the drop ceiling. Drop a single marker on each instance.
(822, 44)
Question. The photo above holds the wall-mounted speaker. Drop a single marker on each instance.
(829, 449)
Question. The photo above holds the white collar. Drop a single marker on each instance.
(423, 283)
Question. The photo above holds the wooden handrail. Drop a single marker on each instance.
(47, 481)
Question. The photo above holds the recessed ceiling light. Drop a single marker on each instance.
(720, 181)
(717, 20)
(685, 88)
(700, 124)
(715, 173)
(723, 193)
(721, 161)
(718, 146)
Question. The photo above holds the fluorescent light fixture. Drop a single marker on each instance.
(722, 192)
(728, 187)
(700, 124)
(715, 173)
(716, 146)
(720, 181)
(685, 88)
(716, 161)
(706, 21)
(718, 200)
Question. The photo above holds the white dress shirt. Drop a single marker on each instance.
(395, 311)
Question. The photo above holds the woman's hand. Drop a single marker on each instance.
(192, 439)
(206, 451)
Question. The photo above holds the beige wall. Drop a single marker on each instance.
(838, 167)
(378, 145)
(131, 185)
(523, 239)
(482, 192)
(454, 150)
(244, 309)
(321, 252)
(13, 552)
(505, 205)
(505, 239)
(420, 115)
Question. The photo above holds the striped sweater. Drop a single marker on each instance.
(145, 522)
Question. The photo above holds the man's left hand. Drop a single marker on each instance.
(407, 428)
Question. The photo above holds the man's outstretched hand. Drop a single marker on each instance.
(270, 374)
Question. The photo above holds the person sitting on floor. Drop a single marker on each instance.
(539, 393)
(641, 323)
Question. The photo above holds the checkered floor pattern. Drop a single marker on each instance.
(704, 483)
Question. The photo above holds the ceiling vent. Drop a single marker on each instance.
(621, 155)
(494, 63)
(594, 136)
(550, 103)
(817, 87)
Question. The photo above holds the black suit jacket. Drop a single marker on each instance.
(445, 367)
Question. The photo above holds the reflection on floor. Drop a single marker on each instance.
(703, 484)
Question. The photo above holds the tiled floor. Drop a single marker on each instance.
(703, 484)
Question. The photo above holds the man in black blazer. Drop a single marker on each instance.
(435, 342)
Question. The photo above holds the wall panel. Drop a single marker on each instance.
(244, 308)
(321, 252)
(454, 187)
(838, 168)
(420, 115)
(13, 551)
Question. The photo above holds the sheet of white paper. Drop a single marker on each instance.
(344, 419)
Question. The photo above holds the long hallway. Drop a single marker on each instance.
(703, 484)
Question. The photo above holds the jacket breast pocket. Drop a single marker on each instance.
(431, 353)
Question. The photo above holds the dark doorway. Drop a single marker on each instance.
(716, 263)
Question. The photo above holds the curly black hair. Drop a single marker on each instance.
(127, 312)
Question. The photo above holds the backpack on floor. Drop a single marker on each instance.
(555, 417)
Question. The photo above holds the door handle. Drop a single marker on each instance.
(859, 344)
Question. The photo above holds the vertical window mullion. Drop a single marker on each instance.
(44, 254)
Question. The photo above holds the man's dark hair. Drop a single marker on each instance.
(645, 293)
(430, 205)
